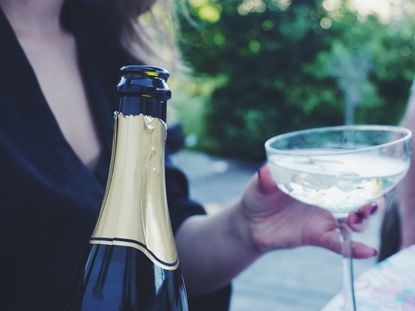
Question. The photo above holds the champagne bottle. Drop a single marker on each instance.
(132, 263)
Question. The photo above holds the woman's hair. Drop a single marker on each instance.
(140, 30)
(148, 30)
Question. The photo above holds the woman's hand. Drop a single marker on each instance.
(214, 249)
(276, 221)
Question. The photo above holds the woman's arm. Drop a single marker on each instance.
(214, 249)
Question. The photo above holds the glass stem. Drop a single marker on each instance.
(348, 277)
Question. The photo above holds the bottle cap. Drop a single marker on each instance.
(144, 81)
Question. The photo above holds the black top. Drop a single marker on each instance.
(49, 199)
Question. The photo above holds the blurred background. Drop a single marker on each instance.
(257, 68)
(262, 67)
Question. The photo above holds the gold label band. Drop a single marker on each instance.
(134, 210)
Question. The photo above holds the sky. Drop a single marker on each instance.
(386, 9)
(382, 7)
(364, 7)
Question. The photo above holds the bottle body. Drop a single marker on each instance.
(132, 263)
(124, 279)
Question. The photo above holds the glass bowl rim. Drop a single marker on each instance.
(407, 134)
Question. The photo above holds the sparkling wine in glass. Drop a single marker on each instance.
(340, 169)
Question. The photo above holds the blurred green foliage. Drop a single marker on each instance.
(289, 64)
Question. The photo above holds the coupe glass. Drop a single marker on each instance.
(340, 169)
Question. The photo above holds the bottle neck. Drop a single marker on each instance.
(136, 105)
(134, 210)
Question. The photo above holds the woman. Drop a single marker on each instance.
(60, 62)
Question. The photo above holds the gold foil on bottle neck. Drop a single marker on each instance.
(134, 210)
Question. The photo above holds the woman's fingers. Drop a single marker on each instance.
(359, 220)
(331, 240)
(362, 251)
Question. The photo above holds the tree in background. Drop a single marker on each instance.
(286, 65)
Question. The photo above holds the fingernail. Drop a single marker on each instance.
(375, 253)
(261, 186)
(358, 219)
(259, 172)
(264, 186)
(374, 209)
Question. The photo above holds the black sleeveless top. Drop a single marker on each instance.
(49, 200)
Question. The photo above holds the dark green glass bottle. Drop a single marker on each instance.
(132, 263)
